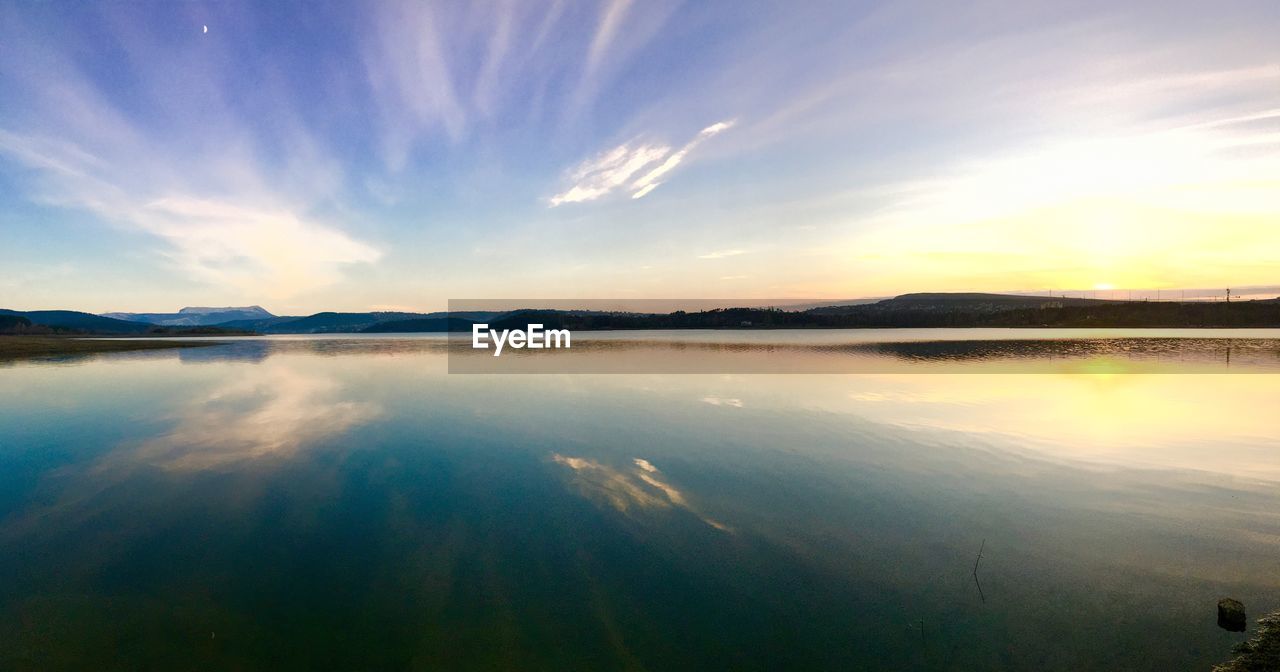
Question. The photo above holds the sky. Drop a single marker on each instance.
(379, 155)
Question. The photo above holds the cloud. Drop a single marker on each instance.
(649, 182)
(611, 170)
(269, 252)
(229, 183)
(721, 254)
(610, 20)
(412, 81)
(264, 249)
(624, 28)
(415, 108)
(607, 172)
(644, 190)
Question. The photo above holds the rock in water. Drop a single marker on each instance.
(1259, 654)
(1231, 615)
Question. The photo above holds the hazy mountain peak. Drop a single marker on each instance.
(195, 316)
(203, 310)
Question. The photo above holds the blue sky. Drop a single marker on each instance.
(352, 156)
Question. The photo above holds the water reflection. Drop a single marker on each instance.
(1246, 354)
(349, 503)
(854, 351)
(639, 486)
(271, 410)
(249, 351)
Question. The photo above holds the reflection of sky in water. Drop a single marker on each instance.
(354, 506)
(640, 485)
(269, 410)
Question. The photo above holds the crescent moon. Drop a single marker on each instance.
(206, 29)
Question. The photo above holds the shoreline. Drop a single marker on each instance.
(29, 347)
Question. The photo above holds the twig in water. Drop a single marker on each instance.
(976, 582)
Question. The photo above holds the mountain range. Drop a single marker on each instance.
(75, 321)
(908, 310)
(195, 317)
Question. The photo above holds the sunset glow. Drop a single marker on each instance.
(569, 149)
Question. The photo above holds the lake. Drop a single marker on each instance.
(937, 500)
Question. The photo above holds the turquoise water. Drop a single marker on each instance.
(312, 503)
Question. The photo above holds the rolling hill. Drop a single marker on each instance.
(75, 321)
(337, 323)
(420, 325)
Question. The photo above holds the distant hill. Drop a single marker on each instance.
(320, 323)
(421, 325)
(959, 301)
(929, 311)
(75, 321)
(1144, 314)
(259, 325)
(925, 310)
(844, 303)
(196, 316)
(337, 323)
(980, 298)
(329, 322)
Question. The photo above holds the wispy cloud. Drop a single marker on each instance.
(650, 180)
(623, 28)
(274, 253)
(721, 254)
(610, 20)
(613, 169)
(412, 82)
(601, 175)
(227, 200)
(260, 248)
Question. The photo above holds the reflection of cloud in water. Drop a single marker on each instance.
(641, 487)
(272, 410)
(233, 351)
(723, 401)
(913, 398)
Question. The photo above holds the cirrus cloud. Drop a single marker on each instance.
(610, 170)
(614, 169)
(721, 254)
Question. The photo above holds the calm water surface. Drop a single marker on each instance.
(344, 503)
